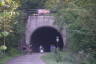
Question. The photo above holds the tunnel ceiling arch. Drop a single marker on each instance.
(45, 36)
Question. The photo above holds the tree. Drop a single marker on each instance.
(13, 19)
(80, 18)
(9, 19)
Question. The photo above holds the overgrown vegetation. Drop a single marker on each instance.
(62, 58)
(13, 17)
(5, 58)
(12, 24)
(78, 16)
(66, 57)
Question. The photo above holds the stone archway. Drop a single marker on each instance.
(35, 22)
(46, 36)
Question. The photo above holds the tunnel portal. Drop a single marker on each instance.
(45, 36)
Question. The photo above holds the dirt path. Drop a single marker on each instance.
(27, 59)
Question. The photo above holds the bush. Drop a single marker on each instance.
(13, 51)
(3, 47)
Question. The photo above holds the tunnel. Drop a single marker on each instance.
(45, 37)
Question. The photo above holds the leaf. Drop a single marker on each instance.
(2, 3)
(3, 47)
(8, 1)
(5, 33)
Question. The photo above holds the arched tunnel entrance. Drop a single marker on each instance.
(45, 36)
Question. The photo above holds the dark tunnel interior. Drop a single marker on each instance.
(45, 36)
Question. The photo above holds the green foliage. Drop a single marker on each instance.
(4, 34)
(13, 52)
(80, 18)
(12, 24)
(51, 4)
(13, 20)
(2, 3)
(32, 4)
(5, 59)
(3, 47)
(66, 58)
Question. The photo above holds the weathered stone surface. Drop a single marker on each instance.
(35, 22)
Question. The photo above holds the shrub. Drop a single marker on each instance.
(13, 51)
(3, 47)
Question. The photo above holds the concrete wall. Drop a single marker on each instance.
(35, 22)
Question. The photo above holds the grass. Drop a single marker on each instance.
(5, 58)
(65, 58)
(61, 58)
